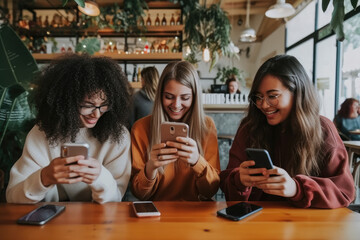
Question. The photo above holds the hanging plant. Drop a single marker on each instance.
(225, 73)
(338, 14)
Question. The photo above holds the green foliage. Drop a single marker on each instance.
(89, 45)
(337, 19)
(227, 72)
(208, 27)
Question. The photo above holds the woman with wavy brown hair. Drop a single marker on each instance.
(347, 119)
(311, 162)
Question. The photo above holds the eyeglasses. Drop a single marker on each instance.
(86, 110)
(272, 100)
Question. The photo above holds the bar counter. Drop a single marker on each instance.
(181, 220)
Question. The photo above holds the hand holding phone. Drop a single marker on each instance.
(145, 209)
(239, 211)
(261, 157)
(41, 215)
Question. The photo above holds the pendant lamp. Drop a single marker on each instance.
(91, 8)
(280, 10)
(249, 34)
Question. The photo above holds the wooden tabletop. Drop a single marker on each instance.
(181, 220)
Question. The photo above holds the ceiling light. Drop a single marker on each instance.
(249, 34)
(91, 8)
(280, 10)
(206, 54)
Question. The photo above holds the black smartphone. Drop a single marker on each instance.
(41, 215)
(145, 209)
(239, 211)
(261, 157)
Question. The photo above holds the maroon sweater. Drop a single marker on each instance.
(333, 188)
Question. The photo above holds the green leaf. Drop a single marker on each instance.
(89, 45)
(337, 19)
(325, 4)
(354, 3)
(64, 2)
(81, 3)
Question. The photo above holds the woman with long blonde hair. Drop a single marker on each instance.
(311, 162)
(188, 168)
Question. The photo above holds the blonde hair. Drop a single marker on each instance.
(184, 73)
(150, 76)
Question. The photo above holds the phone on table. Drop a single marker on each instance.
(75, 149)
(239, 211)
(145, 209)
(41, 215)
(171, 130)
(261, 157)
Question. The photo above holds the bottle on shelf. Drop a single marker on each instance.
(69, 49)
(152, 48)
(163, 20)
(39, 22)
(148, 20)
(134, 73)
(141, 21)
(157, 20)
(46, 21)
(172, 20)
(178, 20)
(62, 49)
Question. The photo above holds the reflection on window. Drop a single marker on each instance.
(301, 25)
(350, 82)
(304, 53)
(325, 75)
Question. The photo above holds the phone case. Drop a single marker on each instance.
(260, 156)
(171, 130)
(75, 149)
(41, 215)
(145, 209)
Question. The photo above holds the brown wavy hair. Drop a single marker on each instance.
(303, 123)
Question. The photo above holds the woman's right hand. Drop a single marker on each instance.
(59, 171)
(159, 157)
(245, 177)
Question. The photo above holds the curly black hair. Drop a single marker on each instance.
(62, 87)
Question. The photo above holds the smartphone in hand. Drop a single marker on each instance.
(41, 215)
(145, 209)
(239, 211)
(171, 130)
(261, 157)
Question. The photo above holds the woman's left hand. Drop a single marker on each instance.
(187, 149)
(281, 184)
(89, 169)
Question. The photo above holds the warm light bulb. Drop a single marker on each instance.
(206, 54)
(187, 51)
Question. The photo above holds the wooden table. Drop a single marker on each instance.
(182, 220)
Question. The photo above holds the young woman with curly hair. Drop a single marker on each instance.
(311, 162)
(79, 99)
(187, 169)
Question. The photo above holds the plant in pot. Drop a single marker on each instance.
(18, 69)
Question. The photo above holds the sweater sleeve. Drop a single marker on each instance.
(230, 182)
(207, 167)
(114, 177)
(142, 187)
(25, 176)
(334, 187)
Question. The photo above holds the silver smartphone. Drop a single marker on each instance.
(75, 149)
(145, 209)
(41, 215)
(171, 130)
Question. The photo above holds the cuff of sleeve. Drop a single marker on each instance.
(147, 183)
(199, 166)
(103, 181)
(299, 193)
(36, 189)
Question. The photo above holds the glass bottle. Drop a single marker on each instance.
(148, 20)
(134, 73)
(141, 21)
(139, 75)
(46, 22)
(178, 20)
(172, 20)
(157, 20)
(163, 20)
(152, 48)
(62, 49)
(39, 21)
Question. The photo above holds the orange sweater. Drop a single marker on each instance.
(180, 181)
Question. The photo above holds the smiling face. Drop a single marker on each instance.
(271, 87)
(90, 120)
(176, 100)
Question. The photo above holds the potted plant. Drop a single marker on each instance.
(225, 73)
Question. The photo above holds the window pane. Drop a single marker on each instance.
(350, 82)
(304, 53)
(324, 17)
(301, 25)
(325, 75)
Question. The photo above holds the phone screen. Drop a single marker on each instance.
(239, 211)
(146, 208)
(41, 215)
